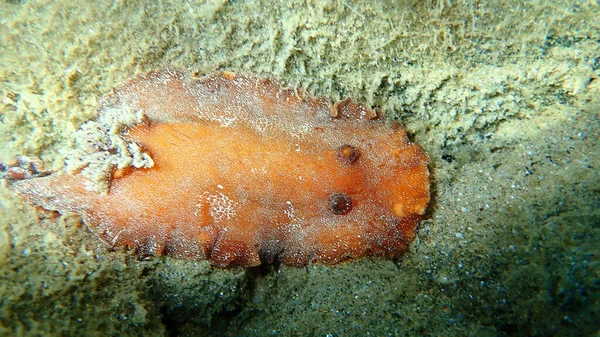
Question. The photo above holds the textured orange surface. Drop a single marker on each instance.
(245, 172)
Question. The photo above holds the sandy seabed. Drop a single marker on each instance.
(504, 96)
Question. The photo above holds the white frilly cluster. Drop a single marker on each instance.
(101, 148)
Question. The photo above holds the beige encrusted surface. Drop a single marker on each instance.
(503, 97)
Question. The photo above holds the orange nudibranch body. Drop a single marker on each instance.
(235, 169)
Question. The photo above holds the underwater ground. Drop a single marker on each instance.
(504, 96)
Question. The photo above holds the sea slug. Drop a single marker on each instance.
(237, 170)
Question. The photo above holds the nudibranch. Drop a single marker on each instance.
(237, 170)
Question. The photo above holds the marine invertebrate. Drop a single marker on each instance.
(237, 170)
